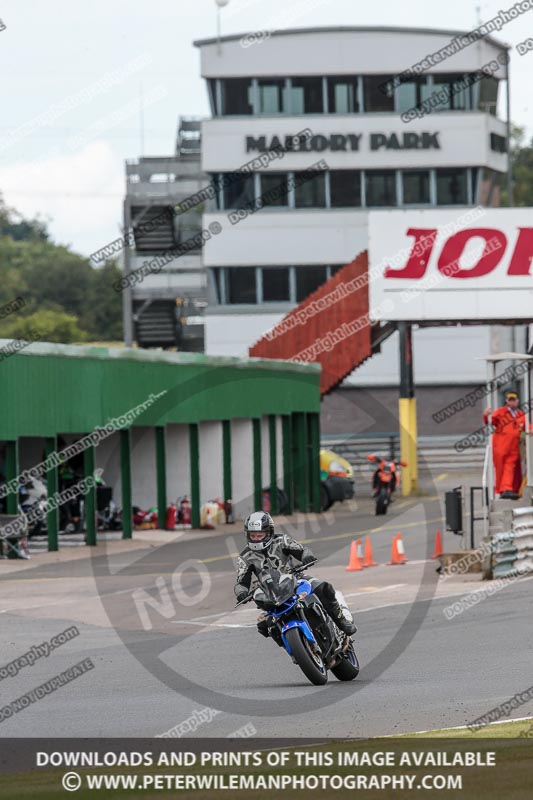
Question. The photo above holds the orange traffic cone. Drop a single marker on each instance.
(401, 548)
(354, 564)
(395, 556)
(360, 555)
(369, 558)
(438, 545)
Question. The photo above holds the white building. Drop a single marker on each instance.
(335, 83)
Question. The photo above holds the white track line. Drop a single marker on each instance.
(375, 591)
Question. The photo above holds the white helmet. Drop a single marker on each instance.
(259, 530)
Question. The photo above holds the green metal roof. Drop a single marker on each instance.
(51, 388)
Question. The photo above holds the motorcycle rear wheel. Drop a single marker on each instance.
(348, 669)
(306, 659)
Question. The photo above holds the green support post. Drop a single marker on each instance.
(161, 475)
(12, 473)
(273, 453)
(52, 486)
(286, 429)
(226, 459)
(90, 497)
(125, 479)
(194, 456)
(314, 460)
(301, 465)
(256, 429)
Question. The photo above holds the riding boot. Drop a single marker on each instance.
(341, 614)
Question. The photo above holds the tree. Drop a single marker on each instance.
(72, 300)
(46, 326)
(103, 314)
(522, 158)
(13, 224)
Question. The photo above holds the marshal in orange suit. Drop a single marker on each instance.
(508, 423)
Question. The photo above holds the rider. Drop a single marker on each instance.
(387, 466)
(264, 548)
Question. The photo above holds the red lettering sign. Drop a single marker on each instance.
(449, 259)
(495, 243)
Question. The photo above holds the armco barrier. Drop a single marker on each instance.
(434, 452)
(512, 551)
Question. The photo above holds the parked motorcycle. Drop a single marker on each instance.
(33, 496)
(303, 626)
(385, 481)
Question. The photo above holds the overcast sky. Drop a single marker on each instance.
(72, 76)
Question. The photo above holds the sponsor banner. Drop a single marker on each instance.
(431, 266)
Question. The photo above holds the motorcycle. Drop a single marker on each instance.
(385, 479)
(303, 626)
(33, 496)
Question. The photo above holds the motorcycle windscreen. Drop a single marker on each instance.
(278, 587)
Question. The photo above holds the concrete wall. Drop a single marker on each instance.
(143, 475)
(211, 475)
(241, 467)
(178, 462)
(340, 51)
(375, 410)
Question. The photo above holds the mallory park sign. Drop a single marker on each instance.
(338, 142)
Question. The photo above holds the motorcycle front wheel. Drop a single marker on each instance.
(381, 502)
(309, 662)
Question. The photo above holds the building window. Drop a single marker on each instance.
(491, 187)
(498, 143)
(308, 279)
(376, 95)
(411, 93)
(275, 284)
(271, 96)
(345, 188)
(274, 189)
(452, 187)
(237, 96)
(309, 189)
(237, 189)
(217, 284)
(380, 187)
(457, 90)
(488, 94)
(188, 225)
(305, 96)
(415, 187)
(212, 92)
(342, 95)
(241, 285)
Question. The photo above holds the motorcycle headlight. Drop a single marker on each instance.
(303, 594)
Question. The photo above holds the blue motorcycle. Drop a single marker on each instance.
(299, 622)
